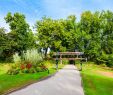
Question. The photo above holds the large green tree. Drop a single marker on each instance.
(93, 34)
(50, 34)
(3, 43)
(20, 35)
(91, 26)
(107, 38)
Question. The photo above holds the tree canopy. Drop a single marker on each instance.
(92, 34)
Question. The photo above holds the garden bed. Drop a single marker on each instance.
(9, 83)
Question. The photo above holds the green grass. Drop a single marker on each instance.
(11, 82)
(4, 67)
(95, 83)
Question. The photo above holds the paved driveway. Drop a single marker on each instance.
(66, 82)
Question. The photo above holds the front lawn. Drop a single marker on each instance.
(4, 67)
(96, 83)
(11, 82)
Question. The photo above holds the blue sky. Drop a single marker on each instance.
(35, 9)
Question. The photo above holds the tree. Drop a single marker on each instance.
(49, 34)
(3, 39)
(107, 38)
(91, 25)
(70, 37)
(19, 35)
(31, 43)
(92, 35)
(107, 34)
(3, 42)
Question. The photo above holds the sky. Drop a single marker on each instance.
(35, 9)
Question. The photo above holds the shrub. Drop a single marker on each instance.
(106, 59)
(110, 61)
(22, 66)
(43, 68)
(102, 59)
(32, 56)
(16, 58)
(38, 69)
(29, 64)
(13, 71)
(32, 70)
(25, 70)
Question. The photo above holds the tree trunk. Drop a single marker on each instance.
(46, 49)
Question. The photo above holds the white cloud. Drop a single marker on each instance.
(62, 8)
(56, 9)
(19, 2)
(3, 23)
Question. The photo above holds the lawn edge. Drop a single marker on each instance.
(82, 82)
(81, 79)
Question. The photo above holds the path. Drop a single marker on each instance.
(66, 82)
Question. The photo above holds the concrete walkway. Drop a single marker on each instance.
(66, 82)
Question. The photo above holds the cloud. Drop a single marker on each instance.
(35, 9)
(20, 2)
(61, 9)
(3, 23)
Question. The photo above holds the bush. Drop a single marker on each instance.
(24, 70)
(106, 59)
(13, 71)
(32, 56)
(38, 69)
(16, 58)
(32, 70)
(22, 66)
(110, 61)
(102, 59)
(65, 62)
(29, 64)
(43, 67)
